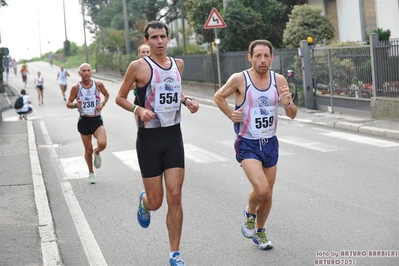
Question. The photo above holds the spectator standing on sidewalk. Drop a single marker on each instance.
(39, 80)
(62, 78)
(86, 97)
(257, 91)
(159, 141)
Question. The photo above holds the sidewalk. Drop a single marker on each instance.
(26, 229)
(26, 225)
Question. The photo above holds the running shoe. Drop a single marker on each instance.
(248, 228)
(97, 160)
(143, 216)
(261, 240)
(176, 260)
(92, 178)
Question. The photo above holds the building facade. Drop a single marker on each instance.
(353, 19)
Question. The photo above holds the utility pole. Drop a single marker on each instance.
(127, 35)
(63, 4)
(183, 26)
(226, 3)
(66, 42)
(84, 33)
(40, 37)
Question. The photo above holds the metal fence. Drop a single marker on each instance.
(348, 69)
(203, 68)
(386, 56)
(351, 68)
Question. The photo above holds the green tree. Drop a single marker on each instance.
(306, 21)
(248, 20)
(151, 9)
(106, 15)
(243, 25)
(198, 11)
(291, 3)
(67, 46)
(383, 35)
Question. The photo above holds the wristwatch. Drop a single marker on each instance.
(184, 101)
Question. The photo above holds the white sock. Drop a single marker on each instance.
(172, 252)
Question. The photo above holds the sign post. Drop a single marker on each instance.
(215, 21)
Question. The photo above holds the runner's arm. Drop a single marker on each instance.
(285, 97)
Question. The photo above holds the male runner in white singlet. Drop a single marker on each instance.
(159, 140)
(62, 78)
(257, 92)
(86, 97)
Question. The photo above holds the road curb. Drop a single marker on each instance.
(353, 127)
(48, 239)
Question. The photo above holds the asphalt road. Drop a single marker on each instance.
(335, 198)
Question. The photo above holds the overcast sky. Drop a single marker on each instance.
(30, 28)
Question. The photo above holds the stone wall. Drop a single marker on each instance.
(385, 107)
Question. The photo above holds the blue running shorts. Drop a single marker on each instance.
(264, 150)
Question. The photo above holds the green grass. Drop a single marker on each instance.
(71, 61)
(76, 61)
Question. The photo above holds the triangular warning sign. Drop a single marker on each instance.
(214, 20)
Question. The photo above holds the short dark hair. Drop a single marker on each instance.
(155, 25)
(259, 42)
(23, 92)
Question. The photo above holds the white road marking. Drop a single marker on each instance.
(129, 158)
(309, 144)
(284, 153)
(74, 167)
(228, 143)
(361, 139)
(48, 240)
(200, 155)
(89, 243)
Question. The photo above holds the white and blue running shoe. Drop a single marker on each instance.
(143, 216)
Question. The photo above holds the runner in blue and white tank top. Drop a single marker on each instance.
(258, 91)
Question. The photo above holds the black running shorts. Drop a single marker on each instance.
(89, 125)
(159, 149)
